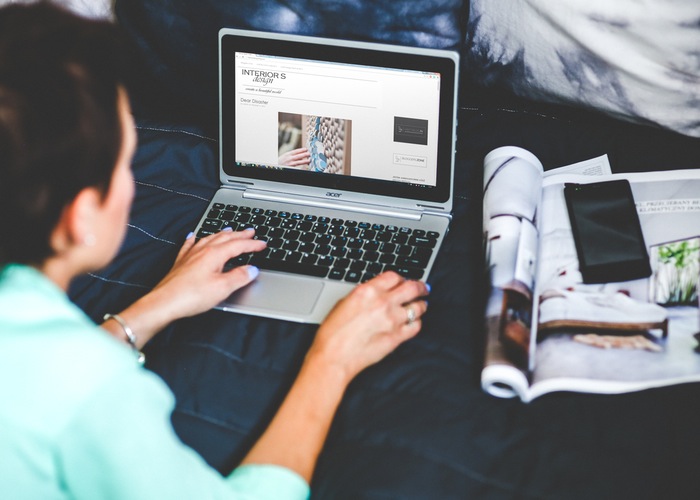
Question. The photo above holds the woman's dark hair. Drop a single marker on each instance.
(60, 130)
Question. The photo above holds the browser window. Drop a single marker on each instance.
(337, 118)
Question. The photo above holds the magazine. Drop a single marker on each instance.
(546, 330)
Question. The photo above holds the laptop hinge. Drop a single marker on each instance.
(236, 186)
(436, 213)
(335, 205)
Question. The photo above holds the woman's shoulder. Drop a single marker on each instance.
(52, 356)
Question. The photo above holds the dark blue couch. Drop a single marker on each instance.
(417, 425)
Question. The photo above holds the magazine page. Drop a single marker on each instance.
(624, 336)
(512, 189)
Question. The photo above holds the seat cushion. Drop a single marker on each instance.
(175, 42)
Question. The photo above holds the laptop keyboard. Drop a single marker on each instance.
(325, 247)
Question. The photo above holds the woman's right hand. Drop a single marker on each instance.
(370, 323)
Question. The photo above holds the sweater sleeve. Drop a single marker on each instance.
(121, 444)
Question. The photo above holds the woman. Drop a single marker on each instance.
(79, 416)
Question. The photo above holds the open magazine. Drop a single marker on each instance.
(547, 330)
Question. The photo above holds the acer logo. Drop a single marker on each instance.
(332, 194)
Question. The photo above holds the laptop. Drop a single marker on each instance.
(341, 155)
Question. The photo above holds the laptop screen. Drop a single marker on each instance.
(368, 118)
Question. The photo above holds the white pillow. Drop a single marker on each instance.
(632, 58)
(89, 8)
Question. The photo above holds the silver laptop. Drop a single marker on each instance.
(341, 155)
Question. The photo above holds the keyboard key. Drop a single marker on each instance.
(356, 242)
(387, 247)
(420, 241)
(411, 262)
(325, 260)
(307, 237)
(355, 253)
(227, 215)
(336, 273)
(305, 225)
(307, 247)
(372, 246)
(342, 263)
(371, 256)
(367, 276)
(374, 267)
(357, 265)
(291, 267)
(290, 245)
(339, 251)
(308, 258)
(405, 250)
(368, 234)
(322, 250)
(399, 238)
(387, 258)
(213, 225)
(383, 236)
(410, 273)
(353, 276)
(336, 230)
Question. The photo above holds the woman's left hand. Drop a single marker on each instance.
(195, 284)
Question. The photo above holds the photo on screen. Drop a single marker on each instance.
(314, 143)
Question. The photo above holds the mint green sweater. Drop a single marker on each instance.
(80, 419)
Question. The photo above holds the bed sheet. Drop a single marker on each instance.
(417, 425)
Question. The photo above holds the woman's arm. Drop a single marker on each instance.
(361, 330)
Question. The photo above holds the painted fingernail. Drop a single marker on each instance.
(228, 229)
(427, 285)
(189, 235)
(250, 229)
(253, 272)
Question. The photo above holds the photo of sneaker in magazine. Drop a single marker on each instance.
(546, 329)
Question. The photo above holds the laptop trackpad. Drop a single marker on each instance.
(279, 292)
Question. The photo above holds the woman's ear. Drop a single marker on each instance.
(78, 222)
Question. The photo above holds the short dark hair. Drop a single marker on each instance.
(60, 129)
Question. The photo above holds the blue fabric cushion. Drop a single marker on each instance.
(175, 41)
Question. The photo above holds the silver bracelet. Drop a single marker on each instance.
(130, 336)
